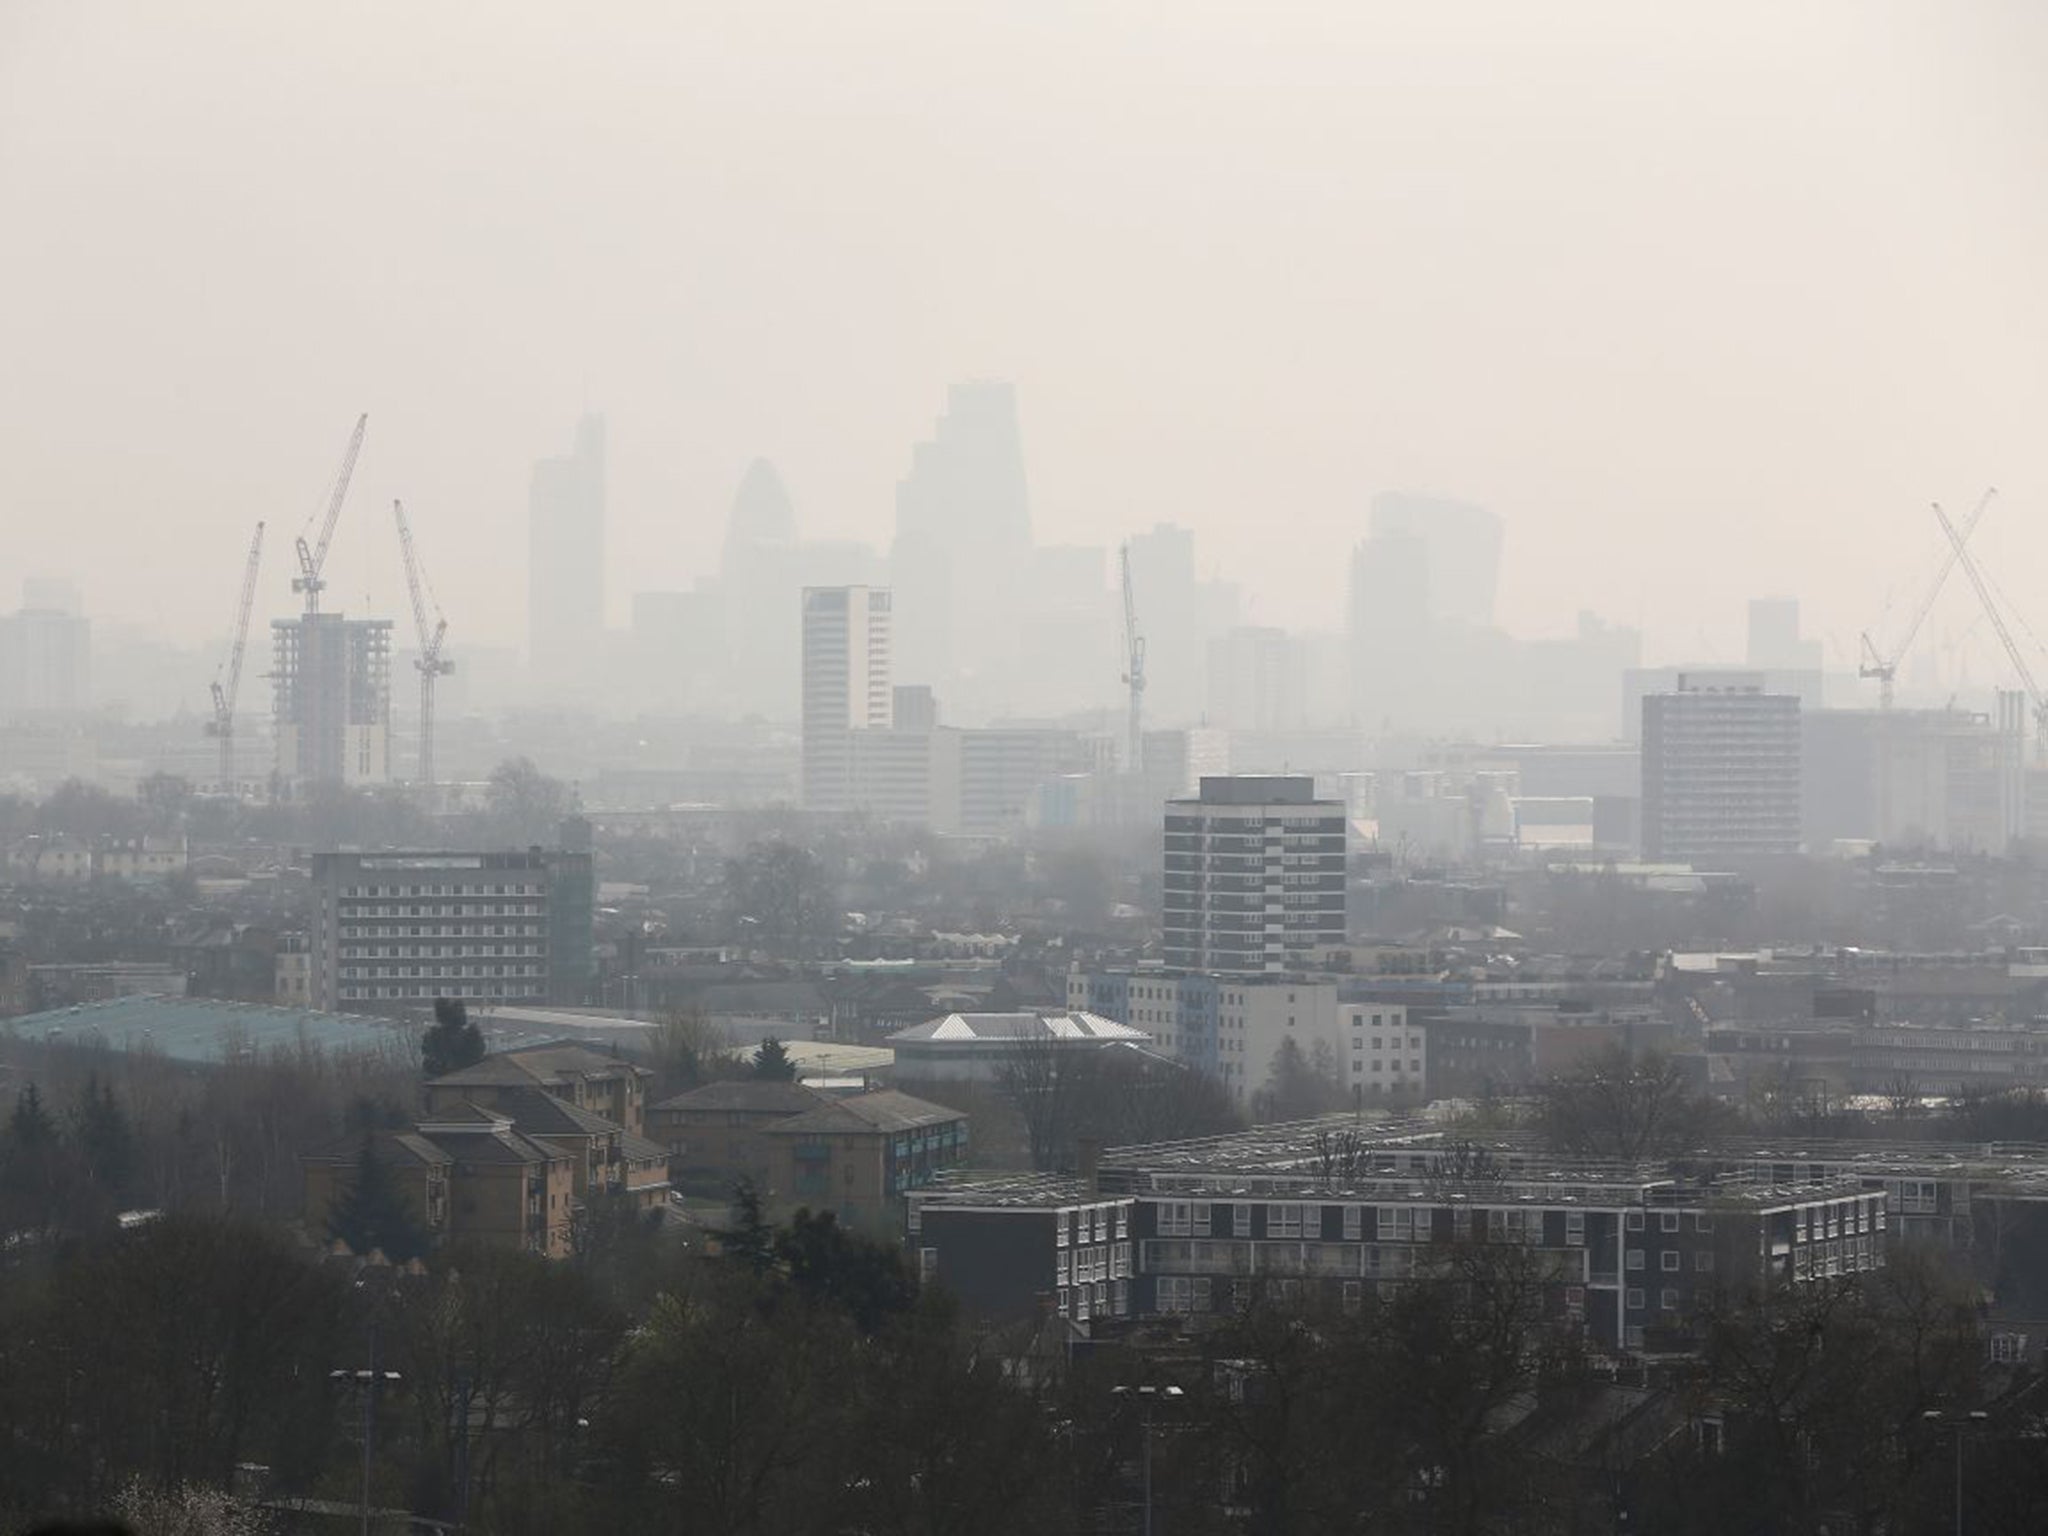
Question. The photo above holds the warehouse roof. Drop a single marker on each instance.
(209, 1030)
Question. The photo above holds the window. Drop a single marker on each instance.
(1672, 1261)
(2009, 1348)
(1667, 1221)
(1240, 1221)
(1283, 1221)
(1703, 1222)
(1634, 1336)
(1201, 1218)
(1575, 1228)
(1635, 1221)
(1634, 1299)
(1461, 1224)
(1635, 1258)
(1354, 1222)
(927, 1265)
(1667, 1299)
(1176, 1218)
(1396, 1224)
(1703, 1262)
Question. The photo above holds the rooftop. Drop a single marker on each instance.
(1010, 1028)
(207, 1030)
(884, 1110)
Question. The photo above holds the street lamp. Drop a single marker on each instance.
(1957, 1423)
(368, 1380)
(1148, 1396)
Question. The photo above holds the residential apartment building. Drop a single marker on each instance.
(859, 1155)
(1254, 876)
(1721, 770)
(468, 1174)
(1323, 1213)
(847, 685)
(592, 1081)
(393, 931)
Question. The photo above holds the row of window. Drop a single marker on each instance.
(1091, 1224)
(388, 892)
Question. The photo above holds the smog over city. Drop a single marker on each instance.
(1023, 767)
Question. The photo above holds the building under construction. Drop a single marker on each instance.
(331, 699)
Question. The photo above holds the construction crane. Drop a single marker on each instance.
(313, 557)
(430, 662)
(223, 722)
(1134, 666)
(2012, 650)
(1886, 667)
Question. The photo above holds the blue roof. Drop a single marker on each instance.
(204, 1029)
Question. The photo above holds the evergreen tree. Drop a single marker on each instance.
(31, 1159)
(772, 1062)
(30, 1126)
(452, 1042)
(105, 1142)
(373, 1211)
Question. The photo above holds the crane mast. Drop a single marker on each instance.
(314, 557)
(1885, 668)
(2038, 704)
(223, 722)
(430, 663)
(1134, 667)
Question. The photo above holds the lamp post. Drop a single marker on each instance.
(368, 1380)
(1957, 1424)
(1148, 1396)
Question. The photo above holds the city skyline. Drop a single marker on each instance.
(1802, 395)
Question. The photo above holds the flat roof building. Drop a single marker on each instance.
(1254, 876)
(391, 932)
(1720, 770)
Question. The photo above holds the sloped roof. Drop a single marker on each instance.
(1009, 1028)
(540, 1066)
(884, 1110)
(396, 1146)
(746, 1095)
(538, 1113)
(503, 1146)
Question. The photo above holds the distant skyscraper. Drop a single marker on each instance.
(1179, 614)
(1720, 770)
(846, 685)
(565, 579)
(963, 533)
(1774, 640)
(1255, 876)
(1462, 542)
(45, 652)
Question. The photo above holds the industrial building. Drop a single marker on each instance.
(1254, 876)
(393, 931)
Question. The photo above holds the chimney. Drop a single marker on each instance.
(1088, 1153)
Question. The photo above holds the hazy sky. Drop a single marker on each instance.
(1705, 299)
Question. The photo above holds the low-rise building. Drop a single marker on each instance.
(716, 1135)
(589, 1080)
(858, 1156)
(979, 1047)
(468, 1174)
